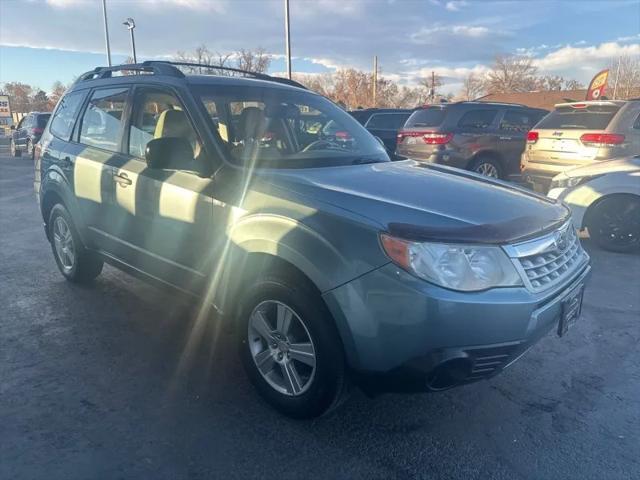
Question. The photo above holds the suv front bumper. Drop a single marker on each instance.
(399, 330)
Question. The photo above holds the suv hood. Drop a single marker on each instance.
(418, 201)
(620, 165)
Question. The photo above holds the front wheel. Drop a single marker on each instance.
(290, 348)
(74, 261)
(14, 149)
(614, 223)
(29, 148)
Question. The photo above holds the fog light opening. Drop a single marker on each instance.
(449, 374)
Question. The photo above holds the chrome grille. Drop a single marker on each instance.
(548, 261)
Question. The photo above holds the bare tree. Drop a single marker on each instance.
(20, 95)
(511, 73)
(624, 77)
(573, 85)
(472, 87)
(57, 91)
(431, 84)
(257, 61)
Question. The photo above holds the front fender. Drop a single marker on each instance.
(293, 241)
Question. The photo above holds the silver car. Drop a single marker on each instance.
(577, 134)
(605, 199)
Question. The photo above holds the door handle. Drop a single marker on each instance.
(122, 179)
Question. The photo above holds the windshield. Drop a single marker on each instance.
(286, 128)
(595, 117)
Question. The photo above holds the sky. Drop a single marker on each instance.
(42, 41)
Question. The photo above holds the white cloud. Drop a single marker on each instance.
(427, 34)
(567, 58)
(455, 5)
(202, 5)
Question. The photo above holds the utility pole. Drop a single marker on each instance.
(106, 30)
(433, 86)
(131, 24)
(375, 81)
(287, 37)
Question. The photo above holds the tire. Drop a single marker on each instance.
(29, 149)
(614, 223)
(312, 390)
(75, 262)
(14, 149)
(487, 166)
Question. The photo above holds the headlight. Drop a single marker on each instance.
(466, 268)
(569, 182)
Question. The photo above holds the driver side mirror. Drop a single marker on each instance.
(168, 152)
(12, 127)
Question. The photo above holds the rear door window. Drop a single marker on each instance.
(64, 117)
(103, 118)
(427, 117)
(478, 119)
(594, 117)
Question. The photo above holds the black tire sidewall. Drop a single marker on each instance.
(329, 378)
(14, 149)
(86, 266)
(595, 219)
(60, 211)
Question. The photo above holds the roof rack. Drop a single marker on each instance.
(165, 67)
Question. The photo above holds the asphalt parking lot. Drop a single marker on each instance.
(102, 382)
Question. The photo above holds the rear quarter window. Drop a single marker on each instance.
(596, 117)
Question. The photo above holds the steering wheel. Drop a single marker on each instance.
(319, 144)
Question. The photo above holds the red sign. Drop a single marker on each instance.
(598, 85)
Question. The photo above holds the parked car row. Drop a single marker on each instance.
(332, 264)
(27, 133)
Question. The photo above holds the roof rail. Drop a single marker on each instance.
(260, 76)
(105, 72)
(165, 67)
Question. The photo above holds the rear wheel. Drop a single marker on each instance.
(14, 149)
(74, 261)
(290, 347)
(487, 166)
(614, 223)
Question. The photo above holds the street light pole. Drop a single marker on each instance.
(288, 37)
(130, 24)
(106, 30)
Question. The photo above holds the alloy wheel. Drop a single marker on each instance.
(63, 242)
(488, 170)
(281, 347)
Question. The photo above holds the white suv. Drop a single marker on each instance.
(577, 134)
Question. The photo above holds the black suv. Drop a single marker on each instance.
(384, 123)
(27, 133)
(487, 138)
